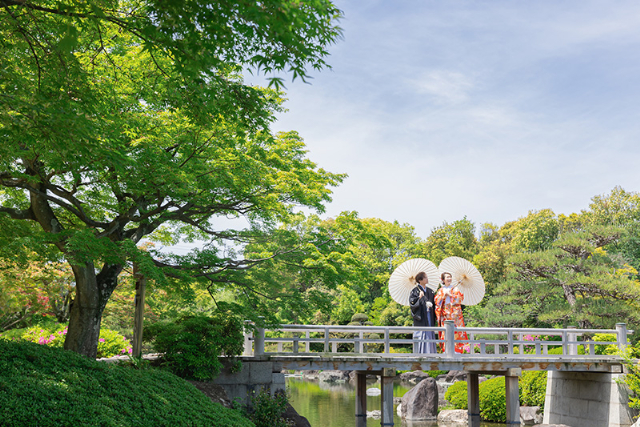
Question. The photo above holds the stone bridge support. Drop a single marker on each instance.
(253, 376)
(512, 396)
(587, 399)
(387, 375)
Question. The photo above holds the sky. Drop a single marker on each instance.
(439, 110)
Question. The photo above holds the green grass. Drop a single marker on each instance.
(43, 386)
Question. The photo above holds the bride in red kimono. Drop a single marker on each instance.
(448, 302)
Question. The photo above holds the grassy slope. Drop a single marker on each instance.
(42, 386)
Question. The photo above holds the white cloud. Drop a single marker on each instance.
(484, 109)
(446, 87)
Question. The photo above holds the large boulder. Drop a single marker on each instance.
(294, 419)
(454, 376)
(421, 402)
(310, 375)
(413, 377)
(333, 376)
(453, 416)
(530, 415)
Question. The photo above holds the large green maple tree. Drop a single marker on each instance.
(124, 120)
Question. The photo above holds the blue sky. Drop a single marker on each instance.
(489, 109)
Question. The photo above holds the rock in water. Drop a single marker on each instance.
(454, 376)
(295, 419)
(421, 402)
(530, 415)
(414, 377)
(453, 416)
(373, 391)
(374, 414)
(333, 376)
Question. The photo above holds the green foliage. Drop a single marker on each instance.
(632, 379)
(360, 318)
(603, 348)
(267, 410)
(554, 350)
(47, 387)
(493, 400)
(110, 343)
(535, 232)
(37, 285)
(400, 350)
(575, 281)
(135, 114)
(456, 394)
(192, 344)
(455, 239)
(435, 374)
(533, 388)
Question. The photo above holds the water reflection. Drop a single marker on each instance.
(334, 404)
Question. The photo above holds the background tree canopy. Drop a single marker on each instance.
(128, 122)
(124, 120)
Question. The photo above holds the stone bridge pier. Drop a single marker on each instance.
(587, 399)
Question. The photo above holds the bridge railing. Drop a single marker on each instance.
(389, 340)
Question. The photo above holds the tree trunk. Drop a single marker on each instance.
(569, 294)
(92, 293)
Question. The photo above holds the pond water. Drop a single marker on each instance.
(334, 404)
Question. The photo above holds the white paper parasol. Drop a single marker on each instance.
(403, 278)
(466, 277)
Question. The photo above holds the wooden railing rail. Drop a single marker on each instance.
(480, 342)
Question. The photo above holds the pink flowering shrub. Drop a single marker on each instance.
(46, 335)
(466, 348)
(530, 348)
(110, 343)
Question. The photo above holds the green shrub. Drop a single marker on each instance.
(49, 387)
(435, 374)
(267, 410)
(456, 394)
(533, 388)
(554, 350)
(111, 343)
(400, 350)
(193, 343)
(605, 349)
(532, 384)
(632, 378)
(51, 335)
(493, 400)
(359, 317)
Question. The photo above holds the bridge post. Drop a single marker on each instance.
(621, 329)
(361, 398)
(326, 340)
(386, 384)
(473, 399)
(512, 396)
(449, 337)
(258, 342)
(573, 346)
(248, 336)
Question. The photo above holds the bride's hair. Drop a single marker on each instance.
(442, 276)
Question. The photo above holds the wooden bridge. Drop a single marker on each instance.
(495, 351)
